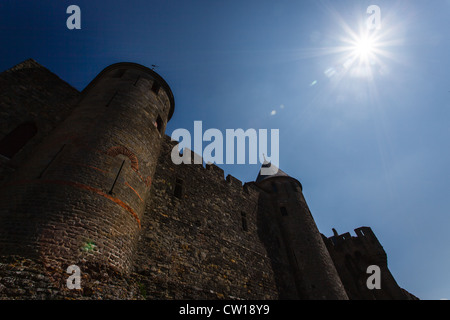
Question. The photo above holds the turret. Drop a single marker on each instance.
(313, 271)
(81, 196)
(352, 257)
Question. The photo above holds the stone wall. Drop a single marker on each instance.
(79, 198)
(96, 187)
(202, 242)
(314, 272)
(31, 93)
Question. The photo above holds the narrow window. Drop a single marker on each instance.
(159, 124)
(283, 211)
(155, 87)
(178, 188)
(17, 139)
(117, 176)
(244, 221)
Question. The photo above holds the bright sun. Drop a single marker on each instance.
(359, 52)
(364, 47)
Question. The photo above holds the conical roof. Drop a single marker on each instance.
(269, 170)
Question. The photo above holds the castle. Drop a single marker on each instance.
(86, 180)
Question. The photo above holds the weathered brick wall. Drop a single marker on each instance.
(96, 187)
(23, 278)
(31, 93)
(197, 246)
(60, 211)
(68, 204)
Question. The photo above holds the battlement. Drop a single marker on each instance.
(212, 169)
(362, 234)
(219, 174)
(365, 243)
(352, 255)
(196, 159)
(251, 188)
(215, 170)
(233, 181)
(172, 231)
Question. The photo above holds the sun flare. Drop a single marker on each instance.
(353, 50)
(362, 54)
(364, 47)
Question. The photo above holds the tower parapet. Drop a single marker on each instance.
(81, 196)
(353, 255)
(97, 187)
(365, 241)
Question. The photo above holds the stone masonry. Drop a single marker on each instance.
(86, 179)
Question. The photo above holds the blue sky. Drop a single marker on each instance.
(367, 136)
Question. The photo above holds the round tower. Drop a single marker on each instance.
(315, 275)
(81, 196)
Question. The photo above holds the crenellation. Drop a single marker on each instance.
(251, 188)
(215, 171)
(96, 187)
(363, 235)
(234, 182)
(196, 159)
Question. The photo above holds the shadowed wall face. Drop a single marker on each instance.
(200, 236)
(312, 268)
(80, 197)
(352, 257)
(87, 179)
(33, 101)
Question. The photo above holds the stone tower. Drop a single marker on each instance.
(353, 255)
(87, 179)
(313, 271)
(80, 196)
